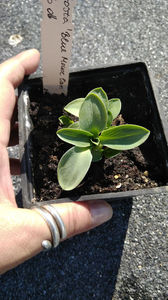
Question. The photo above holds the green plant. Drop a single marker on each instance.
(93, 136)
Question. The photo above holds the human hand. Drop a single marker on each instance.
(23, 230)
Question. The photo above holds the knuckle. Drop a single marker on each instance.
(78, 218)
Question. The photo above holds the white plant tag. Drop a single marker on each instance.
(56, 40)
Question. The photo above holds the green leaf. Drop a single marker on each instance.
(108, 153)
(110, 119)
(124, 137)
(74, 125)
(77, 137)
(102, 95)
(95, 141)
(93, 115)
(97, 153)
(114, 107)
(65, 120)
(73, 167)
(74, 106)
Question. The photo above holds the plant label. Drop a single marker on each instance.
(56, 40)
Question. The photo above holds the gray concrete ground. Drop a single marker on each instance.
(127, 257)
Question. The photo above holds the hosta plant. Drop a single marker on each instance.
(92, 135)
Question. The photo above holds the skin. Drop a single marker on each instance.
(22, 230)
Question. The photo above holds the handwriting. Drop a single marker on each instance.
(58, 35)
(64, 60)
(61, 82)
(66, 10)
(51, 13)
(51, 1)
(65, 39)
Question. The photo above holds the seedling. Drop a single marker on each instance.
(92, 136)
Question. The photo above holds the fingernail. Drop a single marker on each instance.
(101, 212)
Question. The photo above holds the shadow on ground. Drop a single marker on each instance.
(84, 267)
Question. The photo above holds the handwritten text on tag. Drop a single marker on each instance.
(56, 36)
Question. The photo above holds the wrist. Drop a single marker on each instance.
(22, 231)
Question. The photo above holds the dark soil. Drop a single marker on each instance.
(127, 171)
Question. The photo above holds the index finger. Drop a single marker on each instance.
(15, 68)
(12, 73)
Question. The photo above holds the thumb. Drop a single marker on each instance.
(82, 216)
(23, 230)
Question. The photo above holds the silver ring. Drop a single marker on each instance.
(52, 226)
(53, 211)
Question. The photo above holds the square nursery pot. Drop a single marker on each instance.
(38, 112)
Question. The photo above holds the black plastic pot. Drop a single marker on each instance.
(132, 84)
